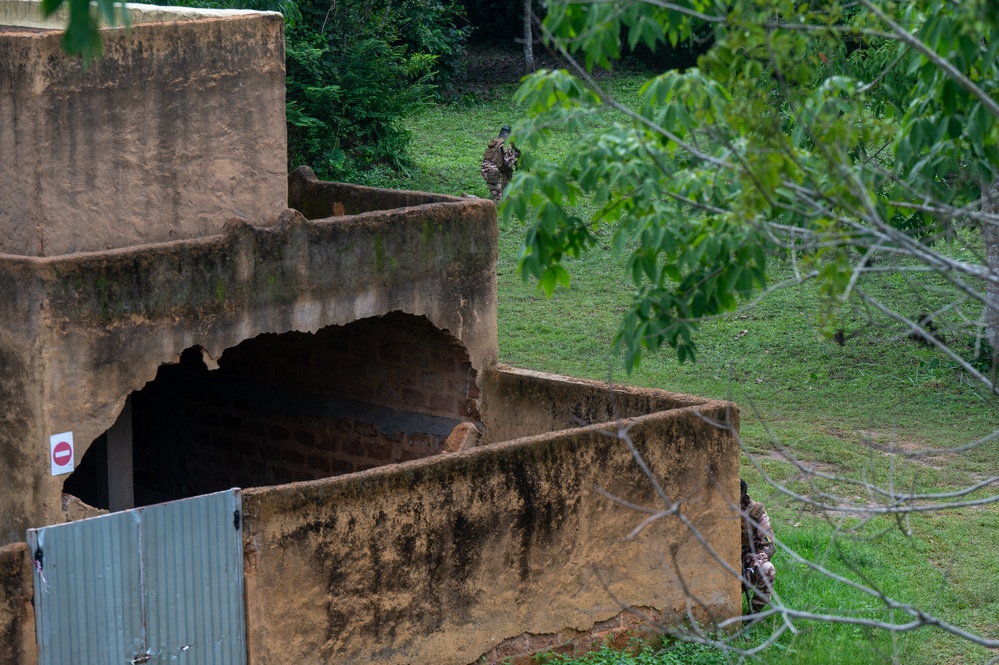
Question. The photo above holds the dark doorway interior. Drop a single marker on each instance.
(291, 407)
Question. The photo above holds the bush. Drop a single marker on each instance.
(344, 108)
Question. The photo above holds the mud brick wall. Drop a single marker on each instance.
(178, 129)
(17, 618)
(258, 447)
(519, 402)
(297, 406)
(474, 555)
(397, 361)
(317, 199)
(95, 328)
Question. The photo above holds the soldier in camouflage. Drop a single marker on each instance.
(757, 548)
(498, 162)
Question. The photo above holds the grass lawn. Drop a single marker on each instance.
(800, 395)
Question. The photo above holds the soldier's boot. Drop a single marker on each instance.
(758, 603)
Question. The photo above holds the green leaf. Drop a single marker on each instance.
(954, 127)
(948, 95)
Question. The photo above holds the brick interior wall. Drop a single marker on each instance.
(294, 407)
(397, 361)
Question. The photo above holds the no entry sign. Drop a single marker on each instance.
(61, 453)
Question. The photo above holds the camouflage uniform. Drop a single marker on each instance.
(498, 163)
(757, 548)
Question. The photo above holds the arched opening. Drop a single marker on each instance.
(291, 407)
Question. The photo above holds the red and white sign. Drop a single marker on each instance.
(61, 453)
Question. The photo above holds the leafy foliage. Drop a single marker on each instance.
(355, 69)
(334, 123)
(825, 403)
(820, 129)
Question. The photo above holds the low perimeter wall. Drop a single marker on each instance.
(488, 555)
(497, 552)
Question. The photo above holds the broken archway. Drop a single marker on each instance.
(289, 407)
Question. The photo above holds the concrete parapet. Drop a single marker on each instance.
(520, 402)
(444, 560)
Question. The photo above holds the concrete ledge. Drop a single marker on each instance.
(520, 402)
(28, 13)
(318, 199)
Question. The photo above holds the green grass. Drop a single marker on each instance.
(671, 654)
(798, 392)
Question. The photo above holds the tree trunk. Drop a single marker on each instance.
(528, 39)
(990, 201)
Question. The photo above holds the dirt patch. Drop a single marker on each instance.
(917, 451)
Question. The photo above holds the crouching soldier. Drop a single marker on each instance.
(498, 162)
(757, 548)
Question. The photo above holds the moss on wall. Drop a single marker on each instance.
(440, 561)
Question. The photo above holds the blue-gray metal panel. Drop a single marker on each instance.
(193, 574)
(88, 591)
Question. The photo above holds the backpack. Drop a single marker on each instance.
(494, 153)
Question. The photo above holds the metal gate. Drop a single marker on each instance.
(160, 584)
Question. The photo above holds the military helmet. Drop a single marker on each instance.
(504, 131)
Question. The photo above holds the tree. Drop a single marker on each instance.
(850, 139)
(528, 37)
(776, 143)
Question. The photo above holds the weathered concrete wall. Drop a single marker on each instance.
(17, 618)
(81, 332)
(444, 560)
(176, 130)
(23, 443)
(293, 407)
(518, 403)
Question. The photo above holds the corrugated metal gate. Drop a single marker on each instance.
(160, 584)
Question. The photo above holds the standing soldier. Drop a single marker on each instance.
(757, 548)
(498, 163)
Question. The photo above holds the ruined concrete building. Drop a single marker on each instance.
(179, 317)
